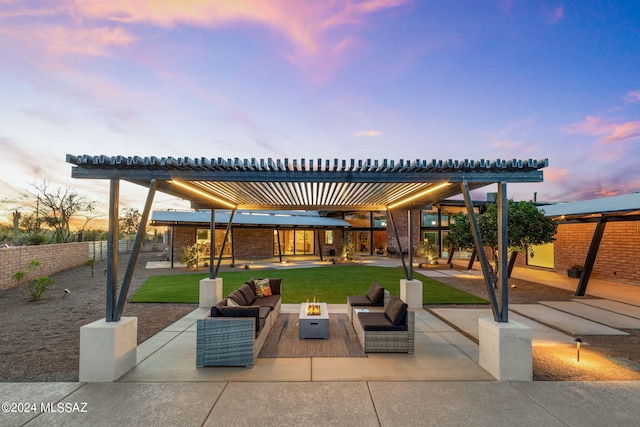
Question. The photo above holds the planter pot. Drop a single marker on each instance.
(574, 273)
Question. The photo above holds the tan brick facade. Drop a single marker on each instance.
(53, 259)
(401, 220)
(618, 258)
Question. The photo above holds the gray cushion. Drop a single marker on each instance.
(376, 293)
(247, 293)
(396, 310)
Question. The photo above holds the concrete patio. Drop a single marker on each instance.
(441, 384)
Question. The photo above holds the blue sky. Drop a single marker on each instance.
(324, 79)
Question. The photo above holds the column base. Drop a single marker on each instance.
(505, 349)
(411, 293)
(108, 350)
(210, 292)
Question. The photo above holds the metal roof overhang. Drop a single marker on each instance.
(248, 218)
(306, 184)
(616, 208)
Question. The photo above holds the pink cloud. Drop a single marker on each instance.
(305, 24)
(320, 34)
(556, 15)
(368, 133)
(609, 133)
(556, 175)
(632, 97)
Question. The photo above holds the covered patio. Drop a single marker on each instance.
(320, 185)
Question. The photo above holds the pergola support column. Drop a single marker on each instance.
(410, 289)
(210, 290)
(108, 347)
(591, 257)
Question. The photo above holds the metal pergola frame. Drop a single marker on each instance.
(310, 185)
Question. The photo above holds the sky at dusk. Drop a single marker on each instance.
(368, 79)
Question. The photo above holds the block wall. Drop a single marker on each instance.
(53, 259)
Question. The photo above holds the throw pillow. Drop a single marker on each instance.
(396, 310)
(262, 288)
(231, 303)
(275, 285)
(247, 293)
(375, 293)
(237, 297)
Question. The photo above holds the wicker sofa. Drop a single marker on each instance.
(390, 331)
(235, 330)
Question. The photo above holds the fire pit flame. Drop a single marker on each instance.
(313, 309)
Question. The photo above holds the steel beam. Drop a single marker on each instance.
(112, 249)
(591, 257)
(224, 241)
(482, 257)
(410, 244)
(212, 244)
(503, 248)
(137, 243)
(319, 243)
(279, 249)
(395, 230)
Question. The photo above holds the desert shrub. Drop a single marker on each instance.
(38, 286)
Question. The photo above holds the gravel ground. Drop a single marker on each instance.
(603, 358)
(39, 341)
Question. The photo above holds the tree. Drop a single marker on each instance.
(428, 251)
(527, 226)
(459, 236)
(129, 220)
(56, 208)
(32, 225)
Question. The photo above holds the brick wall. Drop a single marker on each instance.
(618, 256)
(182, 236)
(53, 259)
(251, 243)
(401, 220)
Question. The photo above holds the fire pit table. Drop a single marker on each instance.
(314, 320)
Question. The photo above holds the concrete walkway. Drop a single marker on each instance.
(374, 403)
(441, 384)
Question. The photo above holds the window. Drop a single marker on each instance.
(358, 219)
(380, 219)
(430, 218)
(328, 237)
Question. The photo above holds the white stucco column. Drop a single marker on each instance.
(210, 292)
(505, 349)
(108, 350)
(411, 293)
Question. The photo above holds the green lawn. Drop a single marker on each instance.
(329, 284)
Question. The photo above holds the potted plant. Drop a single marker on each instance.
(574, 271)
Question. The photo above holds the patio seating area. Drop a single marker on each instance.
(441, 354)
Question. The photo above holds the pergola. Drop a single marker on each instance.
(317, 184)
